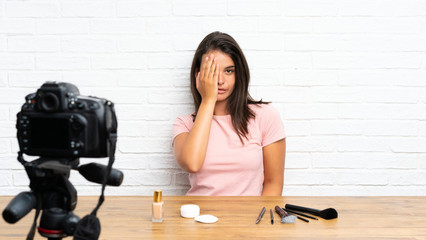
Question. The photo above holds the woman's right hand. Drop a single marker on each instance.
(206, 79)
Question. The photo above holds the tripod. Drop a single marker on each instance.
(54, 195)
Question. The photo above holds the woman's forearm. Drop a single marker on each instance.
(193, 150)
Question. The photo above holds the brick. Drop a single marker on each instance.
(3, 44)
(139, 112)
(137, 177)
(285, 24)
(162, 161)
(146, 78)
(32, 9)
(376, 25)
(407, 145)
(362, 111)
(391, 128)
(146, 8)
(310, 42)
(314, 144)
(311, 111)
(307, 8)
(261, 42)
(5, 143)
(303, 177)
(144, 145)
(17, 26)
(117, 26)
(365, 61)
(239, 24)
(105, 8)
(167, 61)
(173, 26)
(391, 95)
(4, 113)
(123, 95)
(297, 161)
(119, 61)
(5, 178)
(62, 62)
(284, 94)
(133, 129)
(337, 94)
(201, 8)
(360, 178)
(310, 78)
(362, 144)
(407, 178)
(13, 96)
(131, 161)
(266, 77)
(160, 129)
(62, 26)
(88, 45)
(406, 111)
(20, 178)
(282, 60)
(33, 44)
(337, 127)
(256, 8)
(32, 79)
(90, 78)
(401, 161)
(370, 77)
(16, 62)
(297, 128)
(344, 160)
(151, 44)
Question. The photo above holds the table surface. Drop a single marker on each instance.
(129, 217)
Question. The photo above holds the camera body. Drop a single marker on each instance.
(60, 126)
(57, 122)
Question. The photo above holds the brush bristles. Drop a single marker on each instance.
(288, 219)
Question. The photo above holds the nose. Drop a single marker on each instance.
(220, 80)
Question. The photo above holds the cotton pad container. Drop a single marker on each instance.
(190, 211)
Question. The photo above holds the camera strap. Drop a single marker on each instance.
(89, 227)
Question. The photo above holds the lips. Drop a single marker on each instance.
(221, 90)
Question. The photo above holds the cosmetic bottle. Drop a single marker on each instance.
(157, 207)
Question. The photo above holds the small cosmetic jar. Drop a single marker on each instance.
(190, 211)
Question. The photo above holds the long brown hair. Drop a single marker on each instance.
(237, 105)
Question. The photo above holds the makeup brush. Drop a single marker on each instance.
(285, 217)
(329, 213)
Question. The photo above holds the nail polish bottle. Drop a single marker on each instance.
(157, 207)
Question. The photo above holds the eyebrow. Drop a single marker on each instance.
(232, 66)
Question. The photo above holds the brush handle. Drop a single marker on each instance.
(301, 214)
(315, 212)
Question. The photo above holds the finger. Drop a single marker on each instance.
(216, 72)
(207, 66)
(213, 69)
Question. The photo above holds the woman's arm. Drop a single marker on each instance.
(273, 162)
(190, 148)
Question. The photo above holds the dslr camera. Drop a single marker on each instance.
(59, 125)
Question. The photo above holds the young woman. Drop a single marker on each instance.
(231, 144)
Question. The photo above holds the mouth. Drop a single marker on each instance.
(221, 91)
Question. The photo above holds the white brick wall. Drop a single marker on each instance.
(347, 76)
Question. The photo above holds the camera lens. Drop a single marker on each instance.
(49, 102)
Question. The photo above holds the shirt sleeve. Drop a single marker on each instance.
(182, 124)
(271, 125)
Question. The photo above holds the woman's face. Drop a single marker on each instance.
(226, 79)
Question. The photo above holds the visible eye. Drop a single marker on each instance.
(229, 71)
